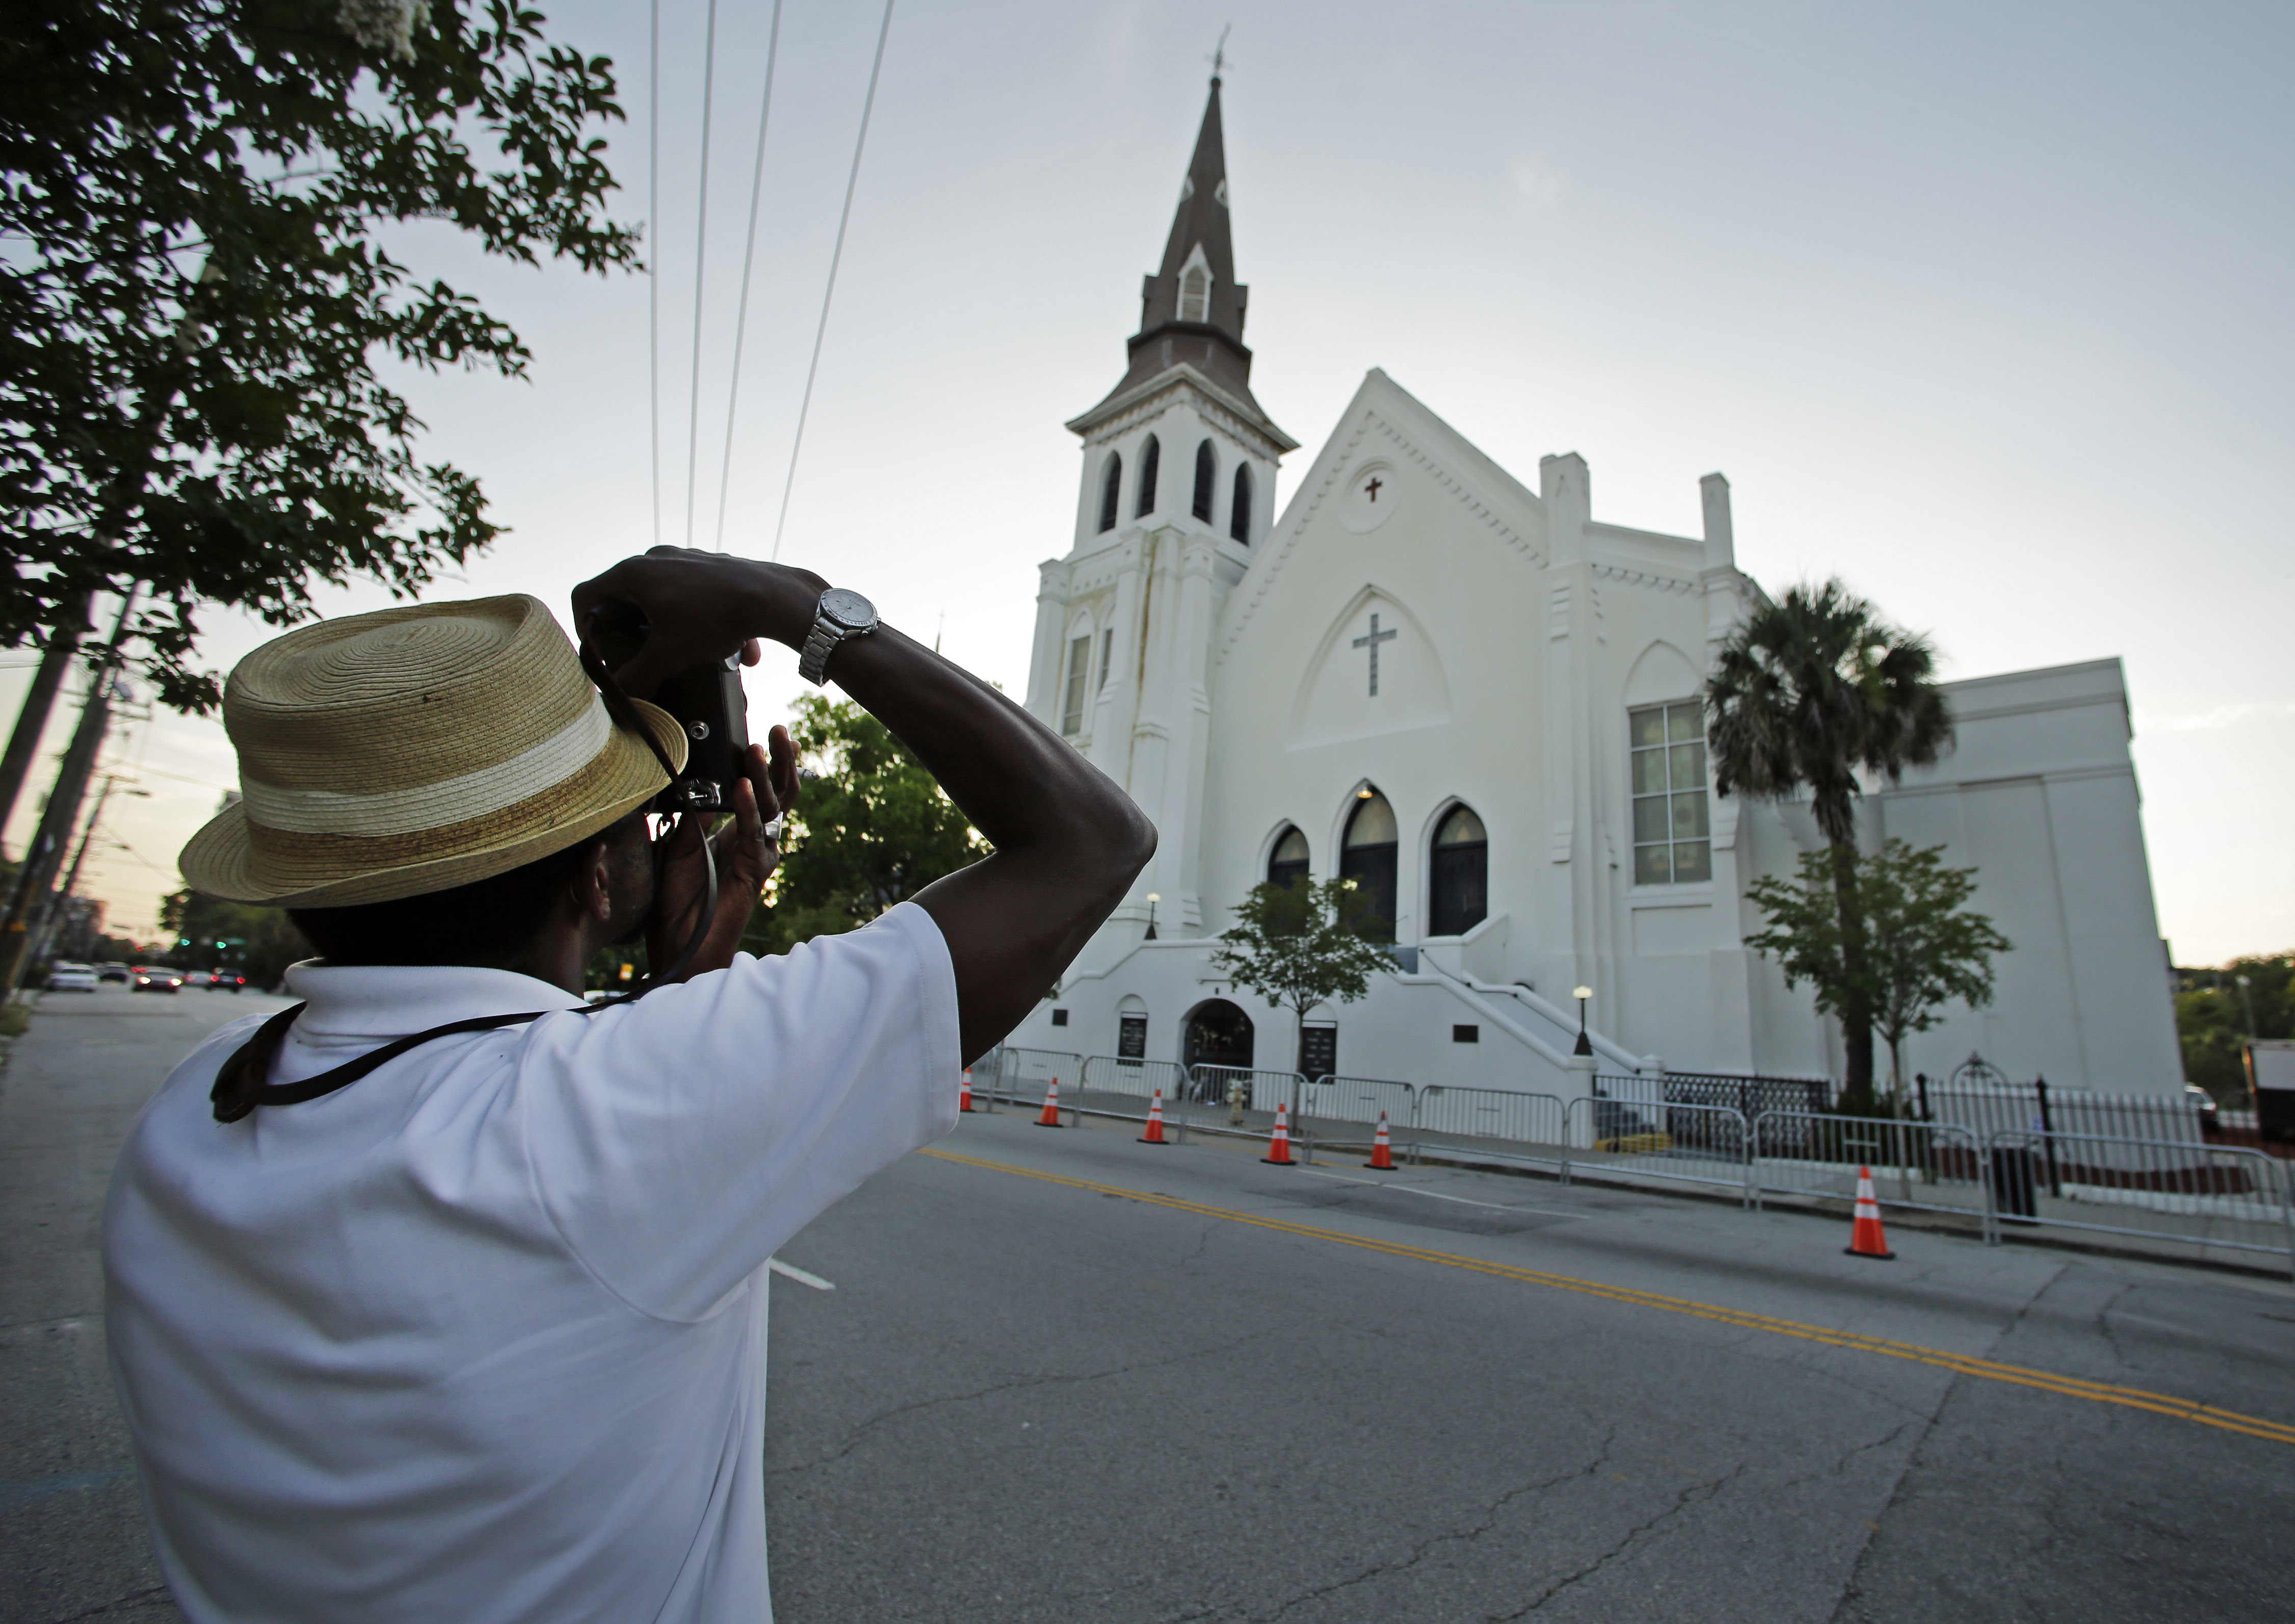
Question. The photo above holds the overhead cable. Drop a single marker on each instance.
(653, 253)
(748, 257)
(837, 255)
(700, 260)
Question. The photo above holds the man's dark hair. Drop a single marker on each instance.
(487, 922)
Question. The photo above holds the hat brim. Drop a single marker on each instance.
(221, 861)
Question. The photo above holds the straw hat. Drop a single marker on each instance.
(413, 750)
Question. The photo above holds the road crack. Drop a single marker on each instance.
(1696, 1494)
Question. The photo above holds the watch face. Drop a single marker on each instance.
(847, 608)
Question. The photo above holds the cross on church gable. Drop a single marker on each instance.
(1371, 640)
(1371, 489)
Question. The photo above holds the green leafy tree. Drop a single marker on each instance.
(1807, 694)
(871, 829)
(1303, 944)
(196, 289)
(2216, 1016)
(1922, 948)
(206, 933)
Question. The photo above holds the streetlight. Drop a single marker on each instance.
(1153, 898)
(1585, 1043)
(2247, 1004)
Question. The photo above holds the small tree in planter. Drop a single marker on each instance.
(1302, 944)
(1922, 948)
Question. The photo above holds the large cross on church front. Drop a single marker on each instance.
(1371, 642)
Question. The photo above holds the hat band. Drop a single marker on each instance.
(380, 814)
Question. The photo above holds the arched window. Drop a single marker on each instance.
(1111, 487)
(1207, 478)
(1287, 863)
(1147, 460)
(1458, 888)
(1239, 524)
(1367, 857)
(1195, 295)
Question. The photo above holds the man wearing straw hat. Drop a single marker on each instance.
(441, 1296)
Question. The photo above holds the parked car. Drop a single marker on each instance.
(2204, 1103)
(71, 978)
(156, 978)
(119, 972)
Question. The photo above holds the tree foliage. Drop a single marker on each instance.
(871, 829)
(1808, 694)
(2212, 1018)
(1921, 950)
(1303, 944)
(195, 291)
(206, 933)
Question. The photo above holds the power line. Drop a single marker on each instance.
(653, 247)
(701, 262)
(749, 256)
(852, 181)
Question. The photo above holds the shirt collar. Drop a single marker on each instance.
(390, 1000)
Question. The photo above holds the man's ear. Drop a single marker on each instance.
(592, 885)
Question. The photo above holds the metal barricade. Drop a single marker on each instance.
(1933, 1166)
(1024, 1075)
(1329, 1103)
(1261, 1091)
(2204, 1195)
(1692, 1144)
(1113, 1086)
(1490, 1124)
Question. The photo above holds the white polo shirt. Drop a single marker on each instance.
(482, 1337)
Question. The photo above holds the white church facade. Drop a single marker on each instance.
(1481, 703)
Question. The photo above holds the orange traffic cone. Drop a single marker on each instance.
(1381, 1153)
(1278, 1148)
(1050, 1118)
(1864, 1237)
(1155, 1134)
(963, 1094)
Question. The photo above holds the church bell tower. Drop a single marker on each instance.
(1177, 488)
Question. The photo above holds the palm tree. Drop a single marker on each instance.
(1807, 694)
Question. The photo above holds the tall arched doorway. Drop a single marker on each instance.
(1217, 1034)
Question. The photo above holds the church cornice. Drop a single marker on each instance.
(1644, 577)
(1126, 410)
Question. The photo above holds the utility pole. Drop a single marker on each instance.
(39, 704)
(44, 855)
(51, 915)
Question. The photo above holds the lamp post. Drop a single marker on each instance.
(1153, 898)
(1585, 1043)
(2248, 1004)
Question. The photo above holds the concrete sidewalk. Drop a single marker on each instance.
(72, 1544)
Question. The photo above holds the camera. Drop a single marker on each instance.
(706, 699)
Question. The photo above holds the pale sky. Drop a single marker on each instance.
(1983, 308)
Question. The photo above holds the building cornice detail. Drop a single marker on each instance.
(1125, 413)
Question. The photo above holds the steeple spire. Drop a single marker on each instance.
(1191, 310)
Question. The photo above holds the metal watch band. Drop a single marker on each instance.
(812, 659)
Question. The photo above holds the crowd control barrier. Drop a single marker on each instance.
(1490, 1124)
(1116, 1085)
(1692, 1144)
(1931, 1166)
(2205, 1195)
(1330, 1107)
(1023, 1074)
(1261, 1091)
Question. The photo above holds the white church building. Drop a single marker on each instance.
(1482, 702)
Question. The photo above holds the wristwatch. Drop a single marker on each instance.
(840, 614)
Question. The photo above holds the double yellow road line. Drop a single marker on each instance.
(1990, 1370)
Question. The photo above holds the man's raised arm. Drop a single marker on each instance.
(1067, 841)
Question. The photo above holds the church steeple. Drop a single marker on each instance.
(1191, 310)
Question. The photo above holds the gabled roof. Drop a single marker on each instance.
(1212, 346)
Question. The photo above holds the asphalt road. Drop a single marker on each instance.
(1062, 1377)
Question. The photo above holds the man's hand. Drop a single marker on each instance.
(746, 853)
(698, 606)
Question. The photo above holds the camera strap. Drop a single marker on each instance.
(240, 1086)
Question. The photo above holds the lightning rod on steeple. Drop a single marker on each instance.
(1218, 57)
